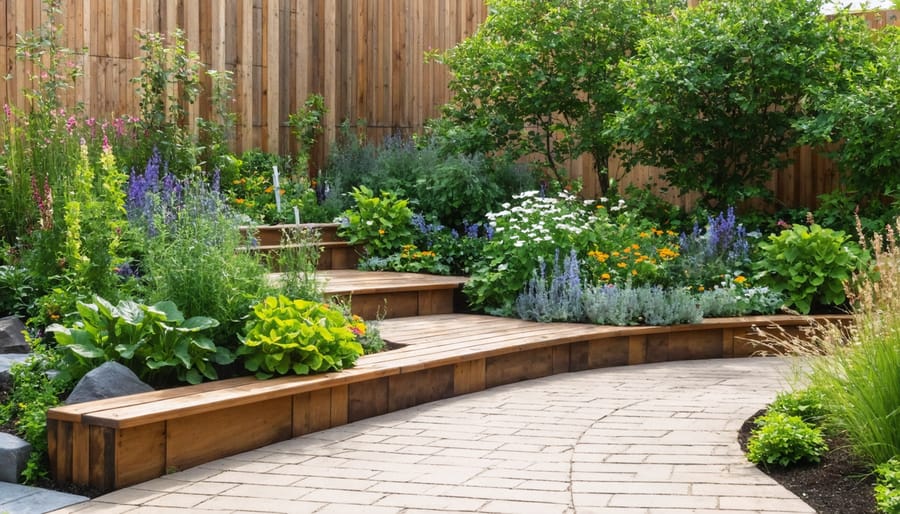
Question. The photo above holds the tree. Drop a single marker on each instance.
(714, 92)
(539, 77)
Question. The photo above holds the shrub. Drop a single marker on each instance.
(553, 297)
(409, 259)
(16, 291)
(612, 305)
(809, 265)
(35, 390)
(784, 440)
(807, 404)
(887, 489)
(300, 337)
(382, 223)
(154, 341)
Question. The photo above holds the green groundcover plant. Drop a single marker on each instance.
(286, 336)
(784, 440)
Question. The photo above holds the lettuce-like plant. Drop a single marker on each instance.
(155, 341)
(809, 265)
(298, 336)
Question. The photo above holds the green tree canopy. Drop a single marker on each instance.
(714, 93)
(539, 77)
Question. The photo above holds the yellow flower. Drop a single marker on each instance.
(643, 235)
(238, 201)
(740, 279)
(634, 272)
(622, 265)
(270, 189)
(235, 181)
(616, 254)
(701, 288)
(604, 276)
(600, 256)
(381, 232)
(635, 246)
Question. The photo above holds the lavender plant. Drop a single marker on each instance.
(708, 254)
(556, 297)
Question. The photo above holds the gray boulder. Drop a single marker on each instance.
(6, 362)
(109, 380)
(11, 338)
(14, 454)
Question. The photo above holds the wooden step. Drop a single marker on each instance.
(335, 255)
(386, 294)
(272, 235)
(113, 443)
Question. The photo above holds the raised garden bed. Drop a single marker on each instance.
(110, 444)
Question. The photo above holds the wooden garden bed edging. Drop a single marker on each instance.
(114, 443)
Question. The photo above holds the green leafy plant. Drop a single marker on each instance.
(809, 404)
(306, 125)
(382, 223)
(16, 291)
(35, 389)
(733, 299)
(298, 336)
(809, 265)
(168, 82)
(887, 488)
(784, 440)
(154, 341)
(410, 259)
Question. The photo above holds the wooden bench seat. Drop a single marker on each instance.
(109, 444)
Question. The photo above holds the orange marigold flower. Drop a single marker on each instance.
(238, 201)
(605, 276)
(740, 279)
(270, 189)
(622, 265)
(381, 232)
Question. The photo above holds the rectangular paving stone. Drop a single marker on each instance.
(668, 501)
(514, 507)
(413, 501)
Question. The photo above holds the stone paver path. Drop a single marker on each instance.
(648, 439)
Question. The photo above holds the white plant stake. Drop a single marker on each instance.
(277, 192)
(296, 215)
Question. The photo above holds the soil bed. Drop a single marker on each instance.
(839, 484)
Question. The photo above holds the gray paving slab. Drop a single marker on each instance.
(20, 499)
(639, 439)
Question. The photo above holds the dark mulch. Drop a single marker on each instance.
(837, 485)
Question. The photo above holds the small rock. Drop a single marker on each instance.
(11, 338)
(109, 380)
(14, 454)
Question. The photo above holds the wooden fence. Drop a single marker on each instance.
(366, 57)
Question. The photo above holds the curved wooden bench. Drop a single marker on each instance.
(109, 444)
